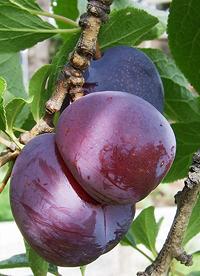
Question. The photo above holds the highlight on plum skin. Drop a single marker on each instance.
(117, 146)
(123, 68)
(59, 220)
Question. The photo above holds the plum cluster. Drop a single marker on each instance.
(73, 193)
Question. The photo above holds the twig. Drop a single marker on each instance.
(172, 248)
(7, 176)
(7, 143)
(71, 77)
(7, 156)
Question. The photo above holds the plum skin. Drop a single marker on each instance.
(117, 146)
(61, 222)
(128, 69)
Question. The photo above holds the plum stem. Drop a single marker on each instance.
(83, 269)
(98, 53)
(172, 248)
(71, 78)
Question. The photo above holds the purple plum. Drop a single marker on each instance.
(117, 146)
(59, 220)
(126, 69)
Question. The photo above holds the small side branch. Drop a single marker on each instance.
(7, 156)
(6, 178)
(7, 143)
(71, 77)
(172, 248)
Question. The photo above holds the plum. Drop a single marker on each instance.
(117, 146)
(59, 220)
(125, 69)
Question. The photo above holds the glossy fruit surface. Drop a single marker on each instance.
(55, 215)
(117, 146)
(125, 69)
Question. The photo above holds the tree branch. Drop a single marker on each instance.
(71, 77)
(172, 248)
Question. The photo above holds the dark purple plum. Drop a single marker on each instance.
(59, 220)
(125, 69)
(117, 146)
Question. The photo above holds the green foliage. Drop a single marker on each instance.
(194, 224)
(144, 230)
(166, 66)
(188, 141)
(37, 264)
(3, 122)
(184, 38)
(188, 103)
(3, 86)
(180, 103)
(126, 27)
(157, 30)
(67, 8)
(5, 211)
(13, 108)
(11, 71)
(20, 30)
(60, 59)
(193, 270)
(14, 262)
(21, 260)
(38, 91)
(31, 4)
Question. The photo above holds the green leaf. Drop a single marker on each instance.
(5, 210)
(3, 86)
(128, 239)
(20, 30)
(188, 142)
(121, 4)
(144, 229)
(11, 71)
(14, 262)
(193, 270)
(28, 122)
(67, 8)
(194, 223)
(53, 269)
(166, 66)
(3, 122)
(37, 90)
(31, 4)
(126, 27)
(21, 260)
(13, 109)
(37, 264)
(60, 59)
(184, 38)
(180, 104)
(154, 32)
